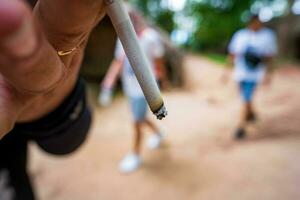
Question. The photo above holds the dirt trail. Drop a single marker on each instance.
(199, 159)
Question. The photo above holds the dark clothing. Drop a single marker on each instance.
(13, 155)
(60, 132)
(252, 59)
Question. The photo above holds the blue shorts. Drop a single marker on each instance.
(138, 107)
(247, 89)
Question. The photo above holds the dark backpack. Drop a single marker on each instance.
(252, 59)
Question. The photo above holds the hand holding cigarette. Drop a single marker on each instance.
(41, 52)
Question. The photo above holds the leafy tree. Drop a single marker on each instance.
(161, 16)
(218, 19)
(215, 20)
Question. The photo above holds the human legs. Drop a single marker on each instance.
(247, 113)
(132, 161)
(155, 139)
(138, 137)
(139, 111)
(139, 108)
(152, 126)
(247, 89)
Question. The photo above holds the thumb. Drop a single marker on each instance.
(27, 60)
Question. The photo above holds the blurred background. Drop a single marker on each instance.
(199, 159)
(201, 26)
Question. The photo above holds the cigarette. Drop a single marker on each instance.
(136, 56)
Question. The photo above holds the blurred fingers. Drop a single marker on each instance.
(27, 60)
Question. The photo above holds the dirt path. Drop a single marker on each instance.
(199, 159)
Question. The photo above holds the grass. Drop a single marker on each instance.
(218, 58)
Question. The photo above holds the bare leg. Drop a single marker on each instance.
(244, 114)
(138, 137)
(132, 161)
(155, 140)
(152, 126)
(246, 111)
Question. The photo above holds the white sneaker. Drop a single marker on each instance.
(130, 163)
(154, 141)
(105, 97)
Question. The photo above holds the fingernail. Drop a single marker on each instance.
(22, 42)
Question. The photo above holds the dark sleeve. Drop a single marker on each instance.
(66, 128)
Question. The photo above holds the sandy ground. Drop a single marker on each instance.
(199, 159)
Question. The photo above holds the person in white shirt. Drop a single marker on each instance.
(150, 42)
(251, 51)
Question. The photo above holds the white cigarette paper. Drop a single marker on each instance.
(136, 56)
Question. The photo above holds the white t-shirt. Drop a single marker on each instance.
(150, 42)
(263, 42)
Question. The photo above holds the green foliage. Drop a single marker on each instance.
(152, 9)
(164, 20)
(218, 19)
(218, 58)
(142, 5)
(214, 21)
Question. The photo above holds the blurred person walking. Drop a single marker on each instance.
(151, 43)
(251, 52)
